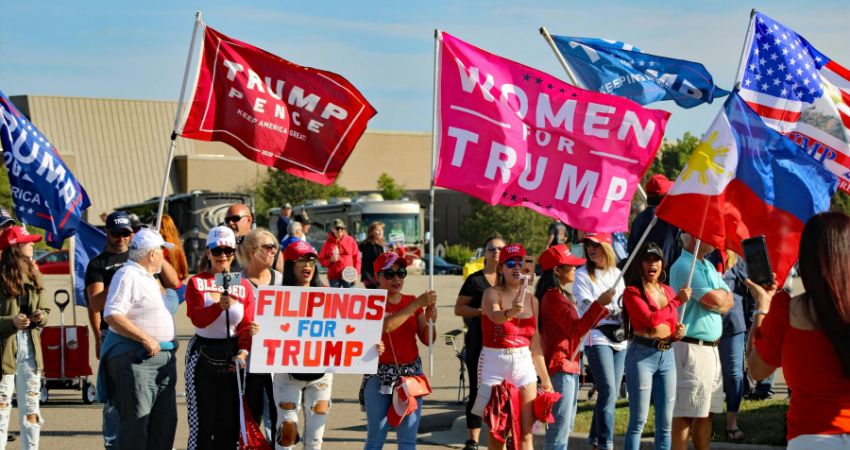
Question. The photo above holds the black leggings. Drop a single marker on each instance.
(472, 353)
(257, 387)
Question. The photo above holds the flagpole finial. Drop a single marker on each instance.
(753, 12)
(543, 31)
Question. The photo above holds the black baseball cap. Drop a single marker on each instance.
(6, 218)
(119, 220)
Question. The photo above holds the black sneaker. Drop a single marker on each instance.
(11, 437)
(471, 445)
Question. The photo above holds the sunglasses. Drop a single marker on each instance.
(513, 263)
(339, 228)
(306, 261)
(233, 219)
(269, 247)
(494, 249)
(226, 251)
(593, 244)
(389, 274)
(120, 234)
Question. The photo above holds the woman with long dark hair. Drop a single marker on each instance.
(809, 337)
(605, 346)
(649, 310)
(512, 350)
(406, 317)
(23, 311)
(223, 329)
(309, 393)
(370, 249)
(468, 306)
(562, 330)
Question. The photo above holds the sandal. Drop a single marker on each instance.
(734, 434)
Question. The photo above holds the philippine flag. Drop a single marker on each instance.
(744, 179)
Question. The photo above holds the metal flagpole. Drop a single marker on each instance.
(177, 116)
(748, 45)
(690, 276)
(573, 79)
(434, 144)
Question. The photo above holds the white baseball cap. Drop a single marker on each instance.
(221, 236)
(147, 238)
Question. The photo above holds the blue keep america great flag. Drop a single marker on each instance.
(617, 68)
(44, 190)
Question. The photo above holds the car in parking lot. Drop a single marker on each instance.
(54, 263)
(441, 266)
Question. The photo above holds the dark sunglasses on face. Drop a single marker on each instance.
(306, 261)
(389, 274)
(494, 249)
(120, 234)
(339, 228)
(269, 247)
(513, 263)
(233, 219)
(593, 244)
(226, 251)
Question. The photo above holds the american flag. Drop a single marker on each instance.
(801, 93)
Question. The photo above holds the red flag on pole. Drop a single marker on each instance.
(301, 120)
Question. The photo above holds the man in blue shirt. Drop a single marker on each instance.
(699, 379)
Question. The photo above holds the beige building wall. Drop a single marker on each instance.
(117, 150)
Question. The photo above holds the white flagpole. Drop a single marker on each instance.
(748, 45)
(573, 79)
(177, 117)
(434, 145)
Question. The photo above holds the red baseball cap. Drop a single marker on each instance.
(599, 238)
(511, 251)
(386, 260)
(298, 249)
(658, 185)
(559, 255)
(16, 235)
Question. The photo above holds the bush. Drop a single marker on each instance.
(458, 254)
(515, 224)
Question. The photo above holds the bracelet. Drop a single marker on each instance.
(758, 312)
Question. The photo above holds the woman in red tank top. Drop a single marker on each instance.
(512, 351)
(809, 337)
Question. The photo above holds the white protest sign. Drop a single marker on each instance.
(317, 330)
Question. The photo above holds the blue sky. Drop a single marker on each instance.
(138, 50)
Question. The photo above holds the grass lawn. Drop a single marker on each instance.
(763, 422)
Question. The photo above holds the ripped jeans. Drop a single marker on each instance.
(26, 382)
(650, 373)
(302, 395)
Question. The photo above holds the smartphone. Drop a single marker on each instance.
(756, 258)
(231, 278)
(528, 264)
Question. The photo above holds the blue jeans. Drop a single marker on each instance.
(606, 364)
(558, 433)
(731, 351)
(650, 373)
(143, 391)
(377, 426)
(340, 283)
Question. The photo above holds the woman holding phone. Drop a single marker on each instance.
(223, 323)
(512, 350)
(23, 311)
(606, 344)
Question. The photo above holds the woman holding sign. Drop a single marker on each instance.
(406, 317)
(296, 391)
(223, 320)
(512, 351)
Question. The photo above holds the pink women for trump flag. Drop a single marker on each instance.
(515, 136)
(301, 120)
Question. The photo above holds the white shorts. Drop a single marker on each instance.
(820, 441)
(699, 380)
(495, 365)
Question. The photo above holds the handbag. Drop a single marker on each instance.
(613, 331)
(414, 385)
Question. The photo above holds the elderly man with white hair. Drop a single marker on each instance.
(139, 353)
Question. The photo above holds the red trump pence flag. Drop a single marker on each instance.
(515, 136)
(301, 120)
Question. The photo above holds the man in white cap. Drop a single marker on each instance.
(139, 353)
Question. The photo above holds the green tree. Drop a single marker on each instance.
(389, 188)
(280, 187)
(516, 224)
(672, 157)
(841, 202)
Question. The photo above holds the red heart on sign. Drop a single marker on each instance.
(349, 329)
(285, 327)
